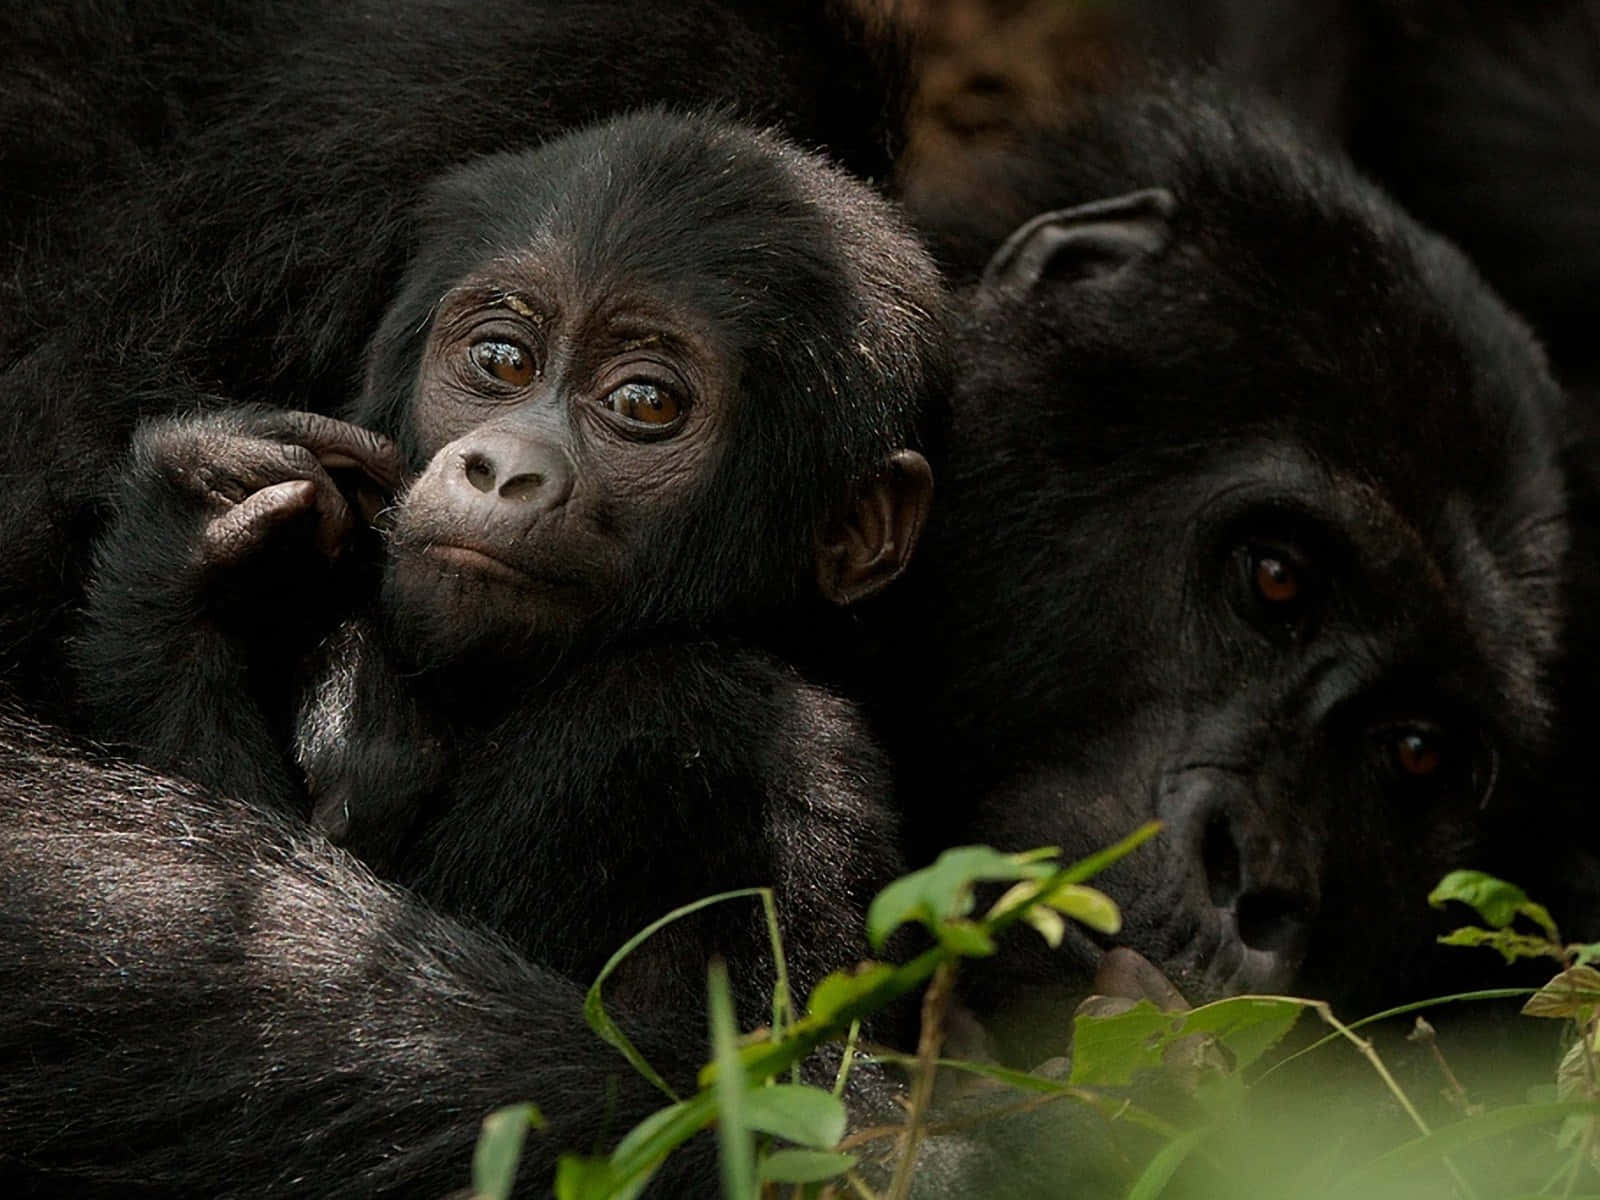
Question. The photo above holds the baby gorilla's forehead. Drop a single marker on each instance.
(606, 312)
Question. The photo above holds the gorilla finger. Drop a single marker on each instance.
(240, 532)
(339, 445)
(259, 465)
(335, 521)
(1125, 973)
(239, 466)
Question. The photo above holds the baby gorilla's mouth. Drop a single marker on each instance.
(473, 561)
(448, 602)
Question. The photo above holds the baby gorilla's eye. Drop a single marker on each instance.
(645, 403)
(505, 361)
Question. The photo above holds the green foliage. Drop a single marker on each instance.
(1230, 1034)
(594, 1009)
(499, 1149)
(1189, 1105)
(1497, 902)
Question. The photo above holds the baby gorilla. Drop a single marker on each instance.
(664, 381)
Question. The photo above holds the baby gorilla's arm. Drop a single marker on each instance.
(223, 566)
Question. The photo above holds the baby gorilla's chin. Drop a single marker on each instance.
(448, 605)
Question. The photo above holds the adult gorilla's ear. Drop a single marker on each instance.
(1090, 241)
(871, 543)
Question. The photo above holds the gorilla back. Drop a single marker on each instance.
(204, 998)
(1252, 523)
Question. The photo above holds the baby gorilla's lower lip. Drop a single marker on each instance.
(465, 558)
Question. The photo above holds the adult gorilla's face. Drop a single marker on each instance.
(1252, 526)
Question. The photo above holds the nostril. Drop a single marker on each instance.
(521, 487)
(479, 471)
(1220, 857)
(1271, 920)
(988, 83)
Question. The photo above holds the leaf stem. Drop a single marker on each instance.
(1365, 1047)
(934, 1004)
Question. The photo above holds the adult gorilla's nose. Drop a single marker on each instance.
(1259, 872)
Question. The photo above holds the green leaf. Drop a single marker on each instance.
(1495, 900)
(1570, 994)
(764, 1058)
(943, 891)
(1017, 895)
(1584, 953)
(1086, 905)
(499, 1149)
(664, 1130)
(1511, 944)
(736, 1147)
(804, 1166)
(840, 989)
(594, 1009)
(966, 938)
(579, 1178)
(1049, 924)
(1093, 908)
(1246, 1026)
(1159, 1171)
(806, 1116)
(637, 1156)
(1108, 1050)
(1540, 916)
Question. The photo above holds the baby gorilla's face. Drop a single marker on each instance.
(569, 439)
(649, 373)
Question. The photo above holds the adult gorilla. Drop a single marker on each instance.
(1253, 522)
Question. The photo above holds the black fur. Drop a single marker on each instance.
(205, 998)
(1266, 364)
(1483, 119)
(568, 770)
(249, 248)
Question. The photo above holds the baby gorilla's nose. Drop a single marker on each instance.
(504, 468)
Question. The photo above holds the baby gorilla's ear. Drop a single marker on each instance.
(871, 543)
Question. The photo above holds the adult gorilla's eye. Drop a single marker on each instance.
(1419, 753)
(644, 403)
(505, 361)
(1276, 581)
(1280, 591)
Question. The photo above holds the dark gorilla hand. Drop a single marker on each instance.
(226, 552)
(260, 477)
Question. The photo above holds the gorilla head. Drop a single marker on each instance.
(1252, 524)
